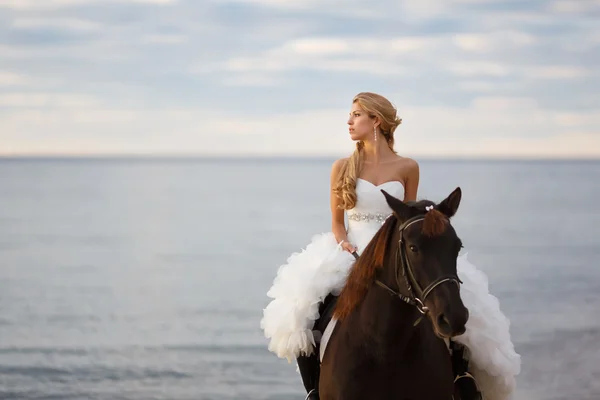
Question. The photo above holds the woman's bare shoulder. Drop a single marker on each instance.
(339, 164)
(406, 168)
(401, 162)
(341, 161)
(408, 163)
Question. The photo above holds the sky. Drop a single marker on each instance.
(470, 78)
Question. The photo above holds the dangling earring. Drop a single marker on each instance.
(375, 133)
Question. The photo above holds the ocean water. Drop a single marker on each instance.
(146, 278)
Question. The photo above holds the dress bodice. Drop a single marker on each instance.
(371, 208)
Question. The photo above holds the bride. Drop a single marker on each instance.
(310, 276)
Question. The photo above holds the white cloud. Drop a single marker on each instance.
(355, 46)
(316, 46)
(576, 7)
(581, 120)
(491, 126)
(345, 8)
(499, 127)
(478, 86)
(288, 4)
(479, 55)
(69, 24)
(566, 145)
(282, 64)
(35, 5)
(493, 41)
(473, 42)
(40, 5)
(49, 100)
(21, 52)
(252, 79)
(12, 79)
(165, 39)
(558, 72)
(163, 2)
(512, 104)
(201, 77)
(478, 68)
(373, 56)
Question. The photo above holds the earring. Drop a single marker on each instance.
(375, 133)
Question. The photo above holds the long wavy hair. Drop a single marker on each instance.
(376, 106)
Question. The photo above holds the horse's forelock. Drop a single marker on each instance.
(435, 223)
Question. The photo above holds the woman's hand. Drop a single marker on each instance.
(349, 247)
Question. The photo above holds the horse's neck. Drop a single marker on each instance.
(384, 316)
(386, 321)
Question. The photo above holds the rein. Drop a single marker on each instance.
(415, 299)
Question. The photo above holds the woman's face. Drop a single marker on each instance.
(360, 126)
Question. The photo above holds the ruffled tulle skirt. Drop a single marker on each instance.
(321, 268)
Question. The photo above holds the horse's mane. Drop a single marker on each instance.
(362, 273)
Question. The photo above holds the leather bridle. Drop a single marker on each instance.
(416, 294)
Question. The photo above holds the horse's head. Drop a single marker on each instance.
(425, 260)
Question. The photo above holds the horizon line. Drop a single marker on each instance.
(199, 156)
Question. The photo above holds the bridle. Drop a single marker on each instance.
(416, 294)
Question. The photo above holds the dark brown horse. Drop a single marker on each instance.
(400, 301)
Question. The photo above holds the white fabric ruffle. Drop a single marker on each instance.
(298, 289)
(493, 360)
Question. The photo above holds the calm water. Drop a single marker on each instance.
(146, 279)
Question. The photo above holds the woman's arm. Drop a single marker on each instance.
(411, 182)
(338, 226)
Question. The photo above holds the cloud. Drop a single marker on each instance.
(567, 145)
(69, 24)
(379, 57)
(229, 75)
(261, 80)
(493, 41)
(472, 56)
(11, 79)
(559, 72)
(37, 5)
(31, 100)
(30, 5)
(345, 8)
(478, 68)
(490, 126)
(575, 7)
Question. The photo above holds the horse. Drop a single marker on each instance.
(398, 310)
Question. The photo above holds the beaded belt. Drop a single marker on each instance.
(358, 216)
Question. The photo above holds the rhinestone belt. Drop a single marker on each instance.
(358, 216)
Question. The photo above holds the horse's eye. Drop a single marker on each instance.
(413, 248)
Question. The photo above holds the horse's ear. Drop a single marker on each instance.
(450, 204)
(400, 208)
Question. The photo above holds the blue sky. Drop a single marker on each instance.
(276, 77)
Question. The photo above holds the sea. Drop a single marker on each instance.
(145, 278)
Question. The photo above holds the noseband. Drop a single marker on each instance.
(417, 295)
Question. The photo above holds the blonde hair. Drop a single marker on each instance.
(376, 106)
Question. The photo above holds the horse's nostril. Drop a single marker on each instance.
(443, 323)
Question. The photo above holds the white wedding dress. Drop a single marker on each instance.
(321, 268)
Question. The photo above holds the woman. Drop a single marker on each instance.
(308, 277)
